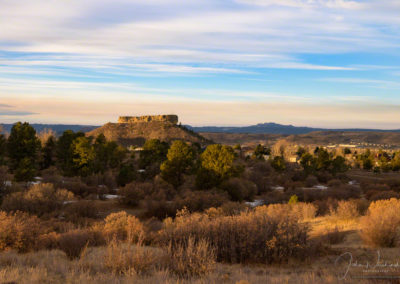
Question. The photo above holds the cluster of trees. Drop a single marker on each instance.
(75, 154)
(211, 166)
(380, 161)
(321, 160)
(72, 153)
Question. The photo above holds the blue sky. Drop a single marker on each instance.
(325, 63)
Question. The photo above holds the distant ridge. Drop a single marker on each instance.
(58, 128)
(261, 128)
(274, 128)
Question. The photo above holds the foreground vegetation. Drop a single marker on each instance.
(183, 213)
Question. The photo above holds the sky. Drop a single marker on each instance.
(321, 63)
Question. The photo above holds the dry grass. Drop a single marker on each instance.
(191, 259)
(126, 259)
(54, 267)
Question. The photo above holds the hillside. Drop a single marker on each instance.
(57, 128)
(245, 139)
(136, 133)
(275, 128)
(367, 138)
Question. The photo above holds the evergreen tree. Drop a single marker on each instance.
(154, 151)
(83, 156)
(278, 163)
(216, 165)
(64, 151)
(23, 148)
(180, 161)
(3, 149)
(49, 153)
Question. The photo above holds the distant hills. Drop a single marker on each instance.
(274, 128)
(58, 128)
(261, 128)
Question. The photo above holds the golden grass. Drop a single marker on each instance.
(54, 267)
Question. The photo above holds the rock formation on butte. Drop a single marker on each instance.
(172, 118)
(134, 131)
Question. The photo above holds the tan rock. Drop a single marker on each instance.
(172, 118)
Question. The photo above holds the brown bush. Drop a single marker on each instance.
(193, 258)
(81, 209)
(374, 195)
(39, 199)
(346, 209)
(133, 193)
(129, 259)
(19, 231)
(121, 226)
(325, 206)
(195, 201)
(344, 192)
(240, 189)
(304, 211)
(74, 242)
(380, 227)
(77, 187)
(261, 235)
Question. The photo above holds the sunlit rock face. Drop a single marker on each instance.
(172, 118)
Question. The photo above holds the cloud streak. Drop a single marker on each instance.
(262, 60)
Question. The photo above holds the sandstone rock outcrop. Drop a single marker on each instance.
(172, 118)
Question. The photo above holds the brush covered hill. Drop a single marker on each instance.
(136, 133)
(345, 137)
(244, 139)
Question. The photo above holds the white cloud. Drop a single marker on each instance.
(195, 32)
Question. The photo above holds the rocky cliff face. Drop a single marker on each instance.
(172, 118)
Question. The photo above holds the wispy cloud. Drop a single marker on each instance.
(366, 82)
(8, 110)
(276, 60)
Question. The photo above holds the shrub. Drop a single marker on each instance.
(77, 187)
(134, 192)
(380, 227)
(346, 209)
(239, 189)
(39, 199)
(261, 235)
(129, 259)
(19, 231)
(121, 226)
(195, 201)
(303, 210)
(374, 195)
(81, 209)
(74, 242)
(344, 192)
(193, 258)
